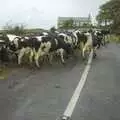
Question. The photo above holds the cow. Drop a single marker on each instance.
(16, 45)
(76, 38)
(90, 43)
(20, 46)
(106, 36)
(4, 56)
(4, 48)
(49, 45)
(99, 37)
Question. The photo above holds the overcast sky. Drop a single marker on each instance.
(44, 13)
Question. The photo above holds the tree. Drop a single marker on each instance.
(14, 29)
(67, 24)
(109, 14)
(52, 29)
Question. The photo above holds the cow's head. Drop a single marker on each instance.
(69, 49)
(12, 46)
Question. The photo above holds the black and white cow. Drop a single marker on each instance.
(70, 37)
(3, 52)
(99, 37)
(4, 48)
(17, 45)
(45, 45)
(76, 38)
(106, 36)
(89, 41)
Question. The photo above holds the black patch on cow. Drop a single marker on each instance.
(34, 43)
(4, 56)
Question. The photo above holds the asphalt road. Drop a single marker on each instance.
(44, 94)
(100, 97)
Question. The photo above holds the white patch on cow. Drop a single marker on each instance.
(1, 41)
(56, 41)
(22, 40)
(31, 55)
(61, 53)
(95, 33)
(75, 39)
(62, 34)
(16, 42)
(47, 47)
(69, 39)
(74, 33)
(89, 37)
(11, 37)
(20, 55)
(39, 38)
(88, 44)
(56, 32)
(26, 37)
(43, 50)
(45, 33)
(27, 50)
(22, 52)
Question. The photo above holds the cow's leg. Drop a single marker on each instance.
(50, 58)
(94, 51)
(83, 51)
(31, 56)
(81, 46)
(20, 55)
(37, 55)
(104, 39)
(61, 55)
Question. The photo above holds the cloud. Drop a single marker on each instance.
(44, 13)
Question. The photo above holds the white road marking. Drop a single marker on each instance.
(21, 111)
(71, 105)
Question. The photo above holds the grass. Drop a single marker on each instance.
(4, 72)
(115, 38)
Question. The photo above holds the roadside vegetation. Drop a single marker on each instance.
(20, 30)
(109, 18)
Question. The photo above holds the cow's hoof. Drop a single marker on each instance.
(94, 55)
(67, 57)
(85, 63)
(10, 87)
(64, 63)
(84, 58)
(31, 66)
(50, 64)
(38, 67)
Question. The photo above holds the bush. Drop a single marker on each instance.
(52, 29)
(17, 29)
(115, 38)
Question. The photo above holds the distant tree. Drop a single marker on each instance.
(67, 24)
(85, 25)
(52, 29)
(109, 14)
(14, 29)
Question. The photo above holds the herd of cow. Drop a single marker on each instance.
(48, 44)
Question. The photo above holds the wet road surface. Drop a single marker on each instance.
(100, 98)
(44, 94)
